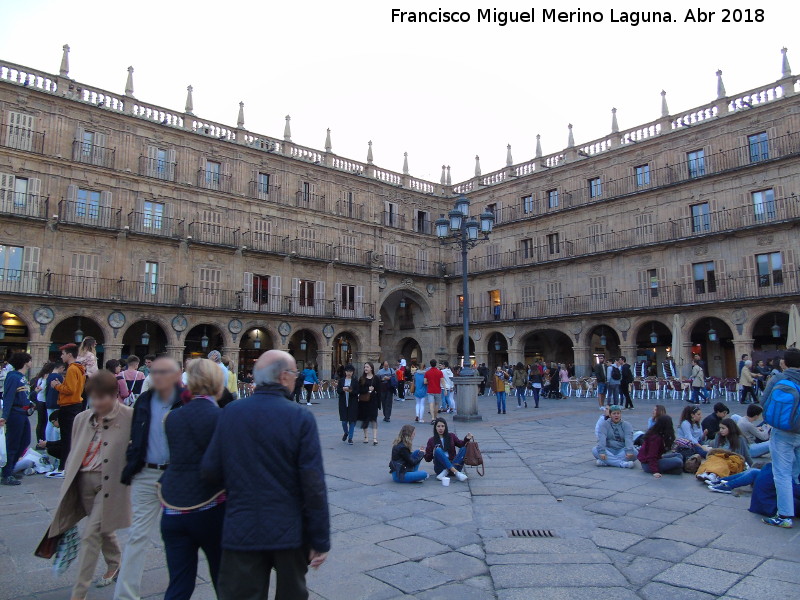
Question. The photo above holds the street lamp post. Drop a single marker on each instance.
(461, 230)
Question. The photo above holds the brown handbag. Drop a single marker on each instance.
(365, 397)
(48, 546)
(474, 458)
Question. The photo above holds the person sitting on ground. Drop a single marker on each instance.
(757, 437)
(404, 465)
(52, 438)
(656, 454)
(658, 410)
(603, 418)
(615, 441)
(690, 429)
(441, 449)
(730, 438)
(728, 484)
(711, 423)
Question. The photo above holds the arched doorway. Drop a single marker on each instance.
(202, 339)
(303, 346)
(653, 348)
(458, 350)
(344, 349)
(549, 346)
(14, 335)
(74, 330)
(404, 312)
(769, 335)
(497, 345)
(712, 339)
(253, 343)
(411, 351)
(143, 338)
(604, 342)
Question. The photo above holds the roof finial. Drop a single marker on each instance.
(664, 109)
(64, 70)
(369, 153)
(287, 130)
(443, 180)
(786, 70)
(538, 146)
(449, 180)
(614, 124)
(405, 163)
(240, 118)
(328, 145)
(571, 138)
(477, 166)
(720, 86)
(129, 83)
(189, 102)
(509, 160)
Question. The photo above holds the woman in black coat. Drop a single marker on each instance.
(368, 402)
(348, 403)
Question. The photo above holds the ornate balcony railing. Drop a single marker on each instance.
(729, 289)
(21, 204)
(393, 219)
(267, 192)
(212, 233)
(90, 213)
(155, 224)
(211, 180)
(350, 210)
(403, 264)
(92, 154)
(157, 168)
(21, 138)
(304, 199)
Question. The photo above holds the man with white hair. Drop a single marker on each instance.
(277, 507)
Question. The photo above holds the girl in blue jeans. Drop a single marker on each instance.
(441, 449)
(500, 389)
(404, 465)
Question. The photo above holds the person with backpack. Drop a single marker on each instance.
(130, 381)
(781, 403)
(613, 381)
(520, 382)
(599, 371)
(625, 383)
(420, 391)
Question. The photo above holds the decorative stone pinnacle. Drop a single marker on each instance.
(369, 152)
(571, 138)
(287, 130)
(443, 180)
(449, 180)
(509, 160)
(240, 118)
(405, 163)
(328, 145)
(189, 102)
(664, 109)
(538, 146)
(477, 166)
(614, 124)
(720, 86)
(786, 70)
(64, 70)
(129, 83)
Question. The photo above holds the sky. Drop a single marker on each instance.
(443, 92)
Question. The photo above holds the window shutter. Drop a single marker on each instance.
(30, 269)
(72, 193)
(644, 280)
(788, 261)
(337, 295)
(247, 292)
(72, 198)
(19, 131)
(686, 274)
(99, 151)
(749, 266)
(34, 189)
(105, 199)
(360, 301)
(171, 157)
(319, 297)
(151, 168)
(106, 214)
(295, 294)
(276, 299)
(6, 192)
(76, 146)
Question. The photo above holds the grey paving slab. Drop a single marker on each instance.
(456, 565)
(759, 588)
(704, 579)
(560, 593)
(780, 570)
(663, 591)
(697, 536)
(511, 576)
(455, 591)
(410, 577)
(415, 547)
(664, 549)
(641, 569)
(616, 540)
(736, 562)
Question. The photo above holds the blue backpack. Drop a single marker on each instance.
(782, 406)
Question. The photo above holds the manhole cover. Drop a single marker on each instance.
(531, 533)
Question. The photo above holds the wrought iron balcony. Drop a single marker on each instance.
(21, 138)
(92, 154)
(89, 213)
(21, 204)
(157, 168)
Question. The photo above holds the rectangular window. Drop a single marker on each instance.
(391, 218)
(492, 256)
(496, 303)
(492, 208)
(20, 191)
(553, 243)
(85, 267)
(552, 198)
(758, 145)
(696, 162)
(595, 187)
(260, 291)
(11, 262)
(349, 249)
(153, 215)
(306, 195)
(527, 293)
(210, 284)
(460, 302)
(308, 240)
(350, 205)
(597, 287)
(306, 294)
(554, 292)
(19, 131)
(262, 231)
(213, 174)
(162, 160)
(151, 278)
(527, 204)
(87, 144)
(705, 280)
(642, 175)
(262, 186)
(644, 224)
(596, 235)
(87, 204)
(211, 224)
(652, 278)
(770, 269)
(422, 223)
(348, 297)
(526, 248)
(390, 256)
(764, 205)
(701, 220)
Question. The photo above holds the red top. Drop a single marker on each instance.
(434, 377)
(400, 373)
(651, 451)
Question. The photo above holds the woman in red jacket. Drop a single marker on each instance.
(441, 450)
(656, 453)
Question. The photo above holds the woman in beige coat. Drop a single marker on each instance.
(92, 486)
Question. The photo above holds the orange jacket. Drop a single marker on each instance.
(70, 391)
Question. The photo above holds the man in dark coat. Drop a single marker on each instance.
(277, 507)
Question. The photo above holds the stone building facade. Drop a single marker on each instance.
(157, 231)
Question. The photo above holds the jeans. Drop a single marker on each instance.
(612, 393)
(18, 439)
(420, 408)
(536, 391)
(759, 449)
(521, 395)
(349, 428)
(184, 536)
(401, 390)
(413, 474)
(501, 401)
(671, 462)
(387, 398)
(698, 391)
(451, 399)
(784, 446)
(41, 420)
(565, 389)
(445, 404)
(441, 461)
(747, 390)
(246, 575)
(625, 392)
(741, 479)
(614, 458)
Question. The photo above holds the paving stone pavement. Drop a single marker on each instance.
(620, 533)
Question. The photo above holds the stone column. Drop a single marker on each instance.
(113, 351)
(324, 358)
(467, 398)
(175, 352)
(39, 352)
(629, 352)
(482, 357)
(515, 355)
(744, 346)
(685, 369)
(583, 360)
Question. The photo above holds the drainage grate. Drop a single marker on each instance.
(532, 533)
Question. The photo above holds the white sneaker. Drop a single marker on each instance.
(442, 476)
(600, 463)
(30, 471)
(461, 476)
(308, 403)
(627, 464)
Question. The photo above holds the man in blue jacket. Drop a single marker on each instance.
(277, 507)
(16, 399)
